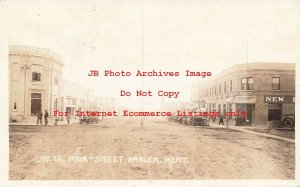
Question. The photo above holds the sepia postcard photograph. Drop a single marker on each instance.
(149, 93)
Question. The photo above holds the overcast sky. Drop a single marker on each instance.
(178, 35)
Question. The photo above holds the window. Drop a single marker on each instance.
(224, 87)
(214, 107)
(275, 83)
(220, 89)
(224, 109)
(219, 108)
(231, 85)
(15, 106)
(250, 83)
(71, 101)
(247, 83)
(36, 76)
(215, 89)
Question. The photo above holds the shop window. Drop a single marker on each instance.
(36, 76)
(247, 83)
(275, 83)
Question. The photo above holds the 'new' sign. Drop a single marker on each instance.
(279, 99)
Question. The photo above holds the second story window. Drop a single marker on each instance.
(36, 76)
(219, 88)
(231, 85)
(224, 87)
(275, 83)
(247, 83)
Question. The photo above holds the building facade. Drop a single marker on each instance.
(77, 98)
(34, 82)
(263, 91)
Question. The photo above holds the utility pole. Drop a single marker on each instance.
(142, 57)
(38, 42)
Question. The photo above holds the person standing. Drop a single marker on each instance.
(39, 117)
(221, 120)
(68, 119)
(46, 117)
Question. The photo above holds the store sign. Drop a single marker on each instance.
(279, 99)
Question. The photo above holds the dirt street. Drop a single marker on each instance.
(120, 148)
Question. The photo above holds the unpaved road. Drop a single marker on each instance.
(163, 151)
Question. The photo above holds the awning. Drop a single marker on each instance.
(243, 99)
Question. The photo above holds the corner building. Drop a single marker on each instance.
(35, 82)
(265, 91)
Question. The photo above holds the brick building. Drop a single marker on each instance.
(263, 90)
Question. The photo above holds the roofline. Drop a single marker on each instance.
(35, 51)
(250, 66)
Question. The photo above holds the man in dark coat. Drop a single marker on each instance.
(46, 117)
(39, 117)
(221, 119)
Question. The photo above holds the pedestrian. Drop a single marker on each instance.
(39, 117)
(68, 119)
(46, 117)
(221, 119)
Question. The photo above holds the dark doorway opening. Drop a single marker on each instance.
(36, 103)
(274, 111)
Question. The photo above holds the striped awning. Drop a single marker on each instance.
(243, 99)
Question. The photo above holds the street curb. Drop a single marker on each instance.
(256, 133)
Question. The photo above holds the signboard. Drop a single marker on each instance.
(279, 99)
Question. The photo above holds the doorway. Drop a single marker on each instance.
(36, 103)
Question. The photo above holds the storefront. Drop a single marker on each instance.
(261, 91)
(244, 104)
(279, 105)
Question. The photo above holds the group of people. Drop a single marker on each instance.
(40, 116)
(46, 115)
